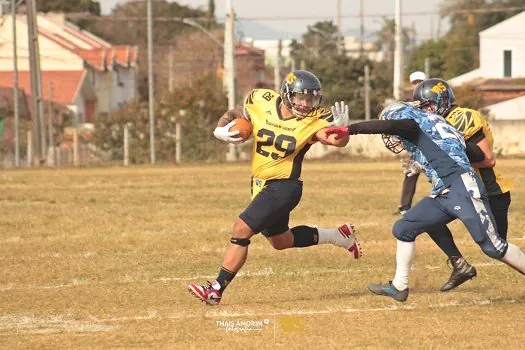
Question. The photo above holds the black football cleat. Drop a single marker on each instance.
(462, 271)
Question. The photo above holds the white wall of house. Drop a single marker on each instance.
(508, 141)
(53, 57)
(506, 35)
(509, 110)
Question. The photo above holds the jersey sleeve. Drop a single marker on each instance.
(468, 122)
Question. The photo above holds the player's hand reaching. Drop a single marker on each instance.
(339, 132)
(340, 113)
(411, 167)
(223, 133)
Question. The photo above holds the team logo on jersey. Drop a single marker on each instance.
(439, 88)
(290, 78)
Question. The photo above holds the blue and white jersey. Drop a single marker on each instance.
(439, 148)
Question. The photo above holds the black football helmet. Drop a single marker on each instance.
(301, 93)
(434, 95)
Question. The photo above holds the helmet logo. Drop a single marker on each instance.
(290, 78)
(438, 88)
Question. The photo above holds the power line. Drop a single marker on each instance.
(88, 16)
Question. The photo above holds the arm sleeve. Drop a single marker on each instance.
(474, 153)
(406, 128)
(478, 136)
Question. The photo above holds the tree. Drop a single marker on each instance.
(90, 6)
(462, 49)
(341, 75)
(434, 50)
(196, 108)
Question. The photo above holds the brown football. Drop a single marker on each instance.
(244, 126)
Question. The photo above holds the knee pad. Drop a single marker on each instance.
(402, 232)
(243, 242)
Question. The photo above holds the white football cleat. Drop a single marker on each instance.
(349, 240)
(206, 292)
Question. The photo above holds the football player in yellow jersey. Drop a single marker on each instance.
(285, 125)
(436, 95)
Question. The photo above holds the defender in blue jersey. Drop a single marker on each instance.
(457, 191)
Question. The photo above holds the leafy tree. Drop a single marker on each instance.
(90, 6)
(196, 108)
(341, 76)
(462, 39)
(435, 51)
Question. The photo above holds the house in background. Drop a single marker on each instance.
(79, 70)
(501, 73)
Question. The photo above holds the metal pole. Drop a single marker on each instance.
(126, 145)
(170, 70)
(75, 147)
(29, 149)
(229, 69)
(277, 68)
(427, 67)
(15, 88)
(367, 93)
(38, 100)
(338, 24)
(398, 55)
(151, 95)
(361, 29)
(178, 150)
(50, 125)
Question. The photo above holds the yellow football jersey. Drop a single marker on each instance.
(471, 124)
(279, 145)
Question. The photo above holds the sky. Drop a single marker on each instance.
(284, 19)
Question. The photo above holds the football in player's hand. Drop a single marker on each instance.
(244, 126)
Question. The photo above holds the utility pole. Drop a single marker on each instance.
(36, 78)
(361, 29)
(151, 94)
(229, 68)
(338, 25)
(398, 54)
(427, 67)
(51, 117)
(367, 92)
(170, 70)
(277, 68)
(15, 87)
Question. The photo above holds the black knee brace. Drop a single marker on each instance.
(243, 242)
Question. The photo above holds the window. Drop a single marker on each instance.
(507, 63)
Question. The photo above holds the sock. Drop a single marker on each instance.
(304, 236)
(404, 256)
(333, 236)
(515, 258)
(224, 278)
(442, 236)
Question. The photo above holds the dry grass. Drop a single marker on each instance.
(100, 258)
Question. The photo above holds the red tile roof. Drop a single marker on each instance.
(65, 84)
(102, 56)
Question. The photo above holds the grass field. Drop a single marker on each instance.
(100, 258)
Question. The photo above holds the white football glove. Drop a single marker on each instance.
(223, 133)
(411, 167)
(340, 113)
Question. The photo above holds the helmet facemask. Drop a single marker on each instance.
(305, 103)
(301, 93)
(392, 142)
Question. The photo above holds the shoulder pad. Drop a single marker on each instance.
(325, 114)
(465, 120)
(260, 95)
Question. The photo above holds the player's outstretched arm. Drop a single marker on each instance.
(489, 161)
(332, 139)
